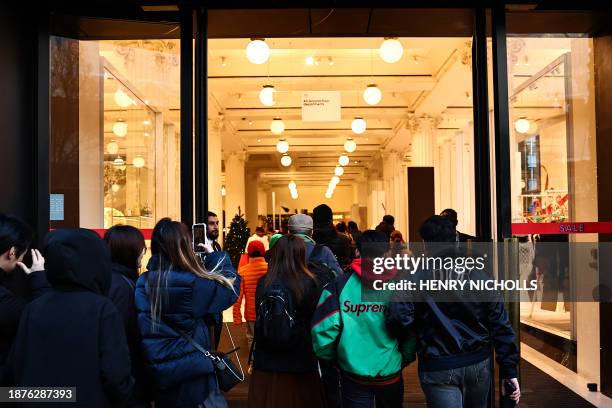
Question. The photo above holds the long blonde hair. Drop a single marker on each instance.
(171, 242)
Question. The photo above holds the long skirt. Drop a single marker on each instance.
(283, 390)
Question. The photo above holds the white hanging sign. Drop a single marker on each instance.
(321, 106)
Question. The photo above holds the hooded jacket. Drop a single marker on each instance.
(183, 376)
(352, 332)
(250, 274)
(73, 335)
(339, 244)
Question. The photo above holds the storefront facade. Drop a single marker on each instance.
(108, 119)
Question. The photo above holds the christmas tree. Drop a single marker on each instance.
(236, 238)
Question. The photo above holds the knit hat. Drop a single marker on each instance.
(322, 214)
(300, 222)
(256, 246)
(274, 239)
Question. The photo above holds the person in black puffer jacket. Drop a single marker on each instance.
(127, 247)
(176, 294)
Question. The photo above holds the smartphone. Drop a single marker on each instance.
(198, 231)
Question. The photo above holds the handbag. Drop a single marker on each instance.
(226, 372)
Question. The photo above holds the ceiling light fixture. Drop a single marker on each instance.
(350, 145)
(115, 187)
(257, 51)
(223, 191)
(112, 147)
(138, 161)
(522, 125)
(358, 125)
(123, 99)
(339, 171)
(328, 195)
(343, 160)
(286, 160)
(266, 95)
(120, 128)
(391, 50)
(282, 146)
(277, 126)
(292, 185)
(372, 94)
(335, 180)
(310, 60)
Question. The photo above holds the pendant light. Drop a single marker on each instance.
(292, 186)
(138, 161)
(257, 51)
(335, 180)
(372, 94)
(328, 194)
(115, 187)
(122, 99)
(266, 95)
(118, 162)
(282, 146)
(391, 50)
(120, 128)
(277, 126)
(294, 194)
(339, 171)
(358, 125)
(112, 147)
(522, 125)
(223, 191)
(343, 160)
(350, 145)
(286, 160)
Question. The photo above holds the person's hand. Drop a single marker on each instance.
(38, 263)
(207, 247)
(516, 395)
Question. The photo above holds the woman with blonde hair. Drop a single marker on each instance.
(174, 297)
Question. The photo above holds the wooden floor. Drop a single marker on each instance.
(538, 389)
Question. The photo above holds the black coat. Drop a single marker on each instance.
(341, 245)
(11, 307)
(122, 287)
(73, 334)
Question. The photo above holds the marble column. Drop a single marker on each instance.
(215, 200)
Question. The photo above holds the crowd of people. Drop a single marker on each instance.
(90, 320)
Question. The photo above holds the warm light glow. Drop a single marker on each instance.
(328, 195)
(115, 187)
(292, 185)
(223, 191)
(138, 161)
(257, 51)
(350, 145)
(391, 50)
(286, 160)
(358, 125)
(119, 162)
(123, 99)
(521, 125)
(112, 147)
(266, 95)
(309, 60)
(120, 128)
(282, 146)
(277, 126)
(343, 160)
(294, 195)
(533, 127)
(372, 95)
(335, 180)
(338, 171)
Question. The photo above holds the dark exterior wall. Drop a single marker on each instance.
(17, 133)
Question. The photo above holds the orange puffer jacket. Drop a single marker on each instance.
(250, 273)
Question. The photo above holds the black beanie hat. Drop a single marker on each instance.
(322, 214)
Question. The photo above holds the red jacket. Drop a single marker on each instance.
(250, 273)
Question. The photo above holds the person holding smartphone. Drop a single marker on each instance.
(15, 240)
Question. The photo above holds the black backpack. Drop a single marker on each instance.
(323, 272)
(276, 326)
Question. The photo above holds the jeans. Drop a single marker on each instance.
(458, 387)
(356, 395)
(330, 378)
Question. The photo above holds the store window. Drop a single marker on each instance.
(114, 132)
(554, 177)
